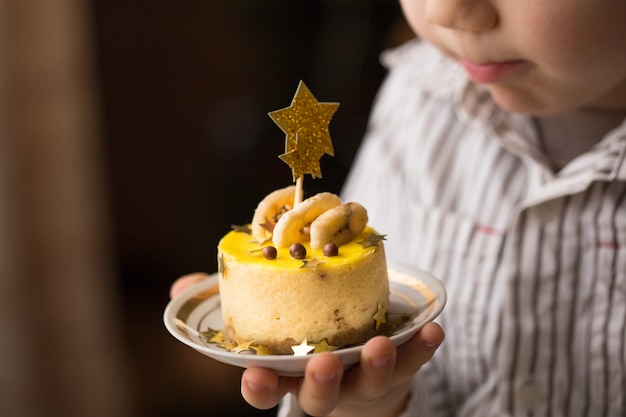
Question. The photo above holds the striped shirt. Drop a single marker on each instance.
(533, 261)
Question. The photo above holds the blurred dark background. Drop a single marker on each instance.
(179, 93)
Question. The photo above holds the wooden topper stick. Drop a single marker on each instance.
(297, 199)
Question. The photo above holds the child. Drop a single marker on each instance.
(495, 158)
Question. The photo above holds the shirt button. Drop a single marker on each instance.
(530, 394)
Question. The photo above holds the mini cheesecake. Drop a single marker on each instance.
(278, 301)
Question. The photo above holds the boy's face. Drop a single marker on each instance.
(534, 56)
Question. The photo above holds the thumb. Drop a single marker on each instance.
(186, 281)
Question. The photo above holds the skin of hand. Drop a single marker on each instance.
(379, 386)
(185, 282)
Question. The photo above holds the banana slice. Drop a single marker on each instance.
(269, 210)
(339, 225)
(293, 226)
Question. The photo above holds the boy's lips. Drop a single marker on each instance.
(490, 72)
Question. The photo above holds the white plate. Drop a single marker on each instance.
(413, 292)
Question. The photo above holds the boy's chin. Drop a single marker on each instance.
(522, 102)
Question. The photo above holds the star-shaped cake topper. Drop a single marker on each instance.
(305, 124)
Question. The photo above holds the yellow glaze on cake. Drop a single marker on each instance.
(278, 303)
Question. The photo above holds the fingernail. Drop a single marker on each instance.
(430, 344)
(380, 362)
(324, 378)
(256, 387)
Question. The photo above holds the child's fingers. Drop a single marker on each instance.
(372, 378)
(416, 352)
(185, 282)
(263, 389)
(319, 392)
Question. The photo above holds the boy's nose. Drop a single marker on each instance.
(466, 15)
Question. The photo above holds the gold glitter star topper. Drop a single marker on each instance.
(305, 124)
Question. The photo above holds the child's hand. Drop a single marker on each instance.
(185, 282)
(379, 386)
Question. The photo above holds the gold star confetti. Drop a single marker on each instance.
(268, 225)
(302, 349)
(245, 228)
(311, 263)
(258, 251)
(372, 240)
(323, 346)
(380, 316)
(390, 328)
(209, 333)
(221, 264)
(242, 347)
(305, 124)
(261, 350)
(218, 338)
(228, 344)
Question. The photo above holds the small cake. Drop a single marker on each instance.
(303, 272)
(282, 291)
